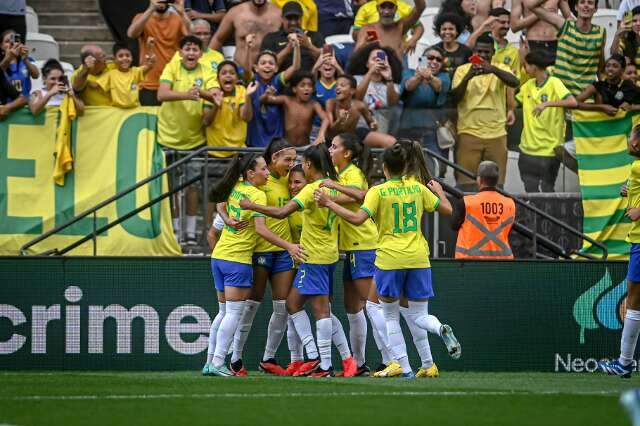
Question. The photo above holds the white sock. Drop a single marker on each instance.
(213, 331)
(358, 336)
(226, 331)
(394, 334)
(420, 335)
(176, 225)
(374, 312)
(191, 226)
(242, 333)
(630, 332)
(294, 342)
(323, 331)
(433, 324)
(339, 338)
(277, 326)
(303, 327)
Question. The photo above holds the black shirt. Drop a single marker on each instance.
(617, 94)
(278, 40)
(8, 93)
(457, 58)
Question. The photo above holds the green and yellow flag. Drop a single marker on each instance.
(603, 167)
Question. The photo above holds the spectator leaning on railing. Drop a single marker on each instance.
(56, 87)
(480, 90)
(158, 30)
(17, 63)
(84, 79)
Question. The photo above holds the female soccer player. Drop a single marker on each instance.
(314, 278)
(402, 256)
(270, 263)
(231, 258)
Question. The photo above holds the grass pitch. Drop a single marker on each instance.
(186, 398)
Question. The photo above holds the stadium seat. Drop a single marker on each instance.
(228, 52)
(43, 46)
(32, 20)
(339, 38)
(37, 82)
(607, 18)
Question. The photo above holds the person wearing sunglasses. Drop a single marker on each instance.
(424, 93)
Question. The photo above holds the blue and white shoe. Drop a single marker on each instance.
(630, 400)
(409, 375)
(450, 341)
(614, 368)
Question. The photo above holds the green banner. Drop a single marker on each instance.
(154, 313)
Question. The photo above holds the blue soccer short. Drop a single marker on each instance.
(414, 283)
(231, 274)
(634, 264)
(359, 264)
(274, 261)
(314, 280)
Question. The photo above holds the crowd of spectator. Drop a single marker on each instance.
(285, 80)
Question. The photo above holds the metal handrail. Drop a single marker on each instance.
(569, 228)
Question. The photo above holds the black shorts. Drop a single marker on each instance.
(362, 133)
(550, 47)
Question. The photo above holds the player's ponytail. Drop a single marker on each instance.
(318, 156)
(360, 153)
(276, 145)
(415, 163)
(239, 166)
(394, 159)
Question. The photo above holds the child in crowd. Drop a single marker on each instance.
(56, 86)
(20, 67)
(326, 71)
(122, 82)
(345, 113)
(299, 110)
(267, 122)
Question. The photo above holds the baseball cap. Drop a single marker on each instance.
(292, 8)
(488, 169)
(394, 2)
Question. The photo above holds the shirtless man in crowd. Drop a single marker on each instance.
(540, 35)
(390, 33)
(256, 17)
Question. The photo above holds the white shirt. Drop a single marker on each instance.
(626, 6)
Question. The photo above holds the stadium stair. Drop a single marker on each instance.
(72, 23)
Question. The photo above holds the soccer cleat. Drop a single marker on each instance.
(270, 366)
(379, 368)
(350, 367)
(392, 370)
(206, 370)
(408, 375)
(428, 372)
(221, 371)
(630, 400)
(319, 372)
(614, 368)
(238, 370)
(293, 367)
(363, 371)
(450, 341)
(306, 368)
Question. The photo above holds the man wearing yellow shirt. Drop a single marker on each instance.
(505, 52)
(309, 16)
(479, 88)
(84, 79)
(210, 58)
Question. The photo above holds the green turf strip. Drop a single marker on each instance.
(190, 399)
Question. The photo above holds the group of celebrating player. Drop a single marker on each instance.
(286, 224)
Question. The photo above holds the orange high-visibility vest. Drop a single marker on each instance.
(484, 234)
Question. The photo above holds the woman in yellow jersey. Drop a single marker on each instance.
(231, 258)
(402, 256)
(270, 263)
(351, 160)
(319, 238)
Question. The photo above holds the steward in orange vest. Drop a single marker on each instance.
(488, 217)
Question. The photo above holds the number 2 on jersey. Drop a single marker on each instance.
(409, 220)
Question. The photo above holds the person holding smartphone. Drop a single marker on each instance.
(56, 87)
(627, 39)
(17, 63)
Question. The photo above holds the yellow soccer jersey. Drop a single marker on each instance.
(238, 246)
(122, 86)
(508, 56)
(180, 122)
(633, 192)
(368, 14)
(277, 192)
(541, 134)
(228, 129)
(319, 227)
(352, 237)
(295, 224)
(397, 207)
(93, 94)
(210, 59)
